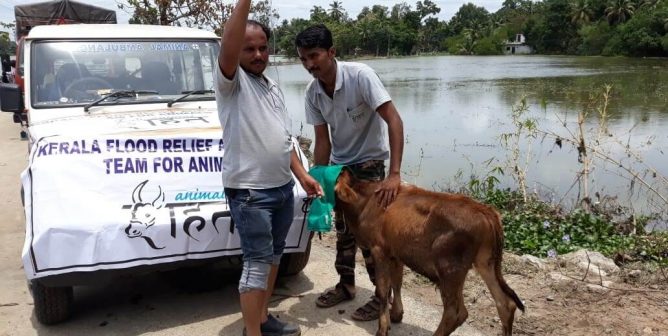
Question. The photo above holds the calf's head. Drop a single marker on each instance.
(344, 188)
(356, 199)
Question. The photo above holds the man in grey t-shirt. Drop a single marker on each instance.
(348, 101)
(257, 161)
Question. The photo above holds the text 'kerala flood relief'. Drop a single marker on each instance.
(141, 156)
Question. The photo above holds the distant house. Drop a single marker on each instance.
(517, 46)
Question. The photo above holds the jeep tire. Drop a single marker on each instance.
(293, 263)
(52, 304)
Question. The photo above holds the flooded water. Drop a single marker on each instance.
(455, 110)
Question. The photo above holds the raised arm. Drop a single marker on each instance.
(233, 38)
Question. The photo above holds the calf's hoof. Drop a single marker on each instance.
(396, 318)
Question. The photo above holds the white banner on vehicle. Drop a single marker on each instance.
(119, 201)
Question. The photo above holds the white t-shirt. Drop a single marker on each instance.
(256, 139)
(357, 131)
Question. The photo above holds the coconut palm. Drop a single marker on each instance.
(318, 14)
(469, 42)
(336, 11)
(581, 12)
(619, 11)
(649, 4)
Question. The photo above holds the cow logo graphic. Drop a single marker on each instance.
(144, 214)
(194, 215)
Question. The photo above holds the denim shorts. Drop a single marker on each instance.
(262, 218)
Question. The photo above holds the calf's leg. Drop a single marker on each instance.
(383, 286)
(397, 277)
(454, 312)
(453, 258)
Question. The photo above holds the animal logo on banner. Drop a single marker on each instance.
(144, 214)
(196, 213)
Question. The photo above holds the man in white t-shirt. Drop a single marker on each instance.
(257, 163)
(347, 103)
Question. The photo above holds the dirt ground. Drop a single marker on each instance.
(634, 301)
(559, 302)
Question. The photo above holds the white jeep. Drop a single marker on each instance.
(125, 158)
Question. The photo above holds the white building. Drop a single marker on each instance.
(517, 46)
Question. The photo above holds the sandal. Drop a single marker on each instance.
(369, 312)
(334, 296)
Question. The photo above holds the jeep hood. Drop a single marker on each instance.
(136, 123)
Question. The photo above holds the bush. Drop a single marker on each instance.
(539, 228)
(487, 46)
(594, 38)
(642, 34)
(453, 44)
(614, 47)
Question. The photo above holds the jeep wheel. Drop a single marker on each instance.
(52, 304)
(293, 263)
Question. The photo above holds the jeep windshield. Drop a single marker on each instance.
(76, 73)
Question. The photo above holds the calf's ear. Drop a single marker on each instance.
(343, 188)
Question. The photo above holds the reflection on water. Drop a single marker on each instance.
(454, 109)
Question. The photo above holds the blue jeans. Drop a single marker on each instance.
(263, 218)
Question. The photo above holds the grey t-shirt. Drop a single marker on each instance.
(357, 131)
(256, 139)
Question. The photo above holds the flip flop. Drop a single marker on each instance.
(369, 311)
(334, 296)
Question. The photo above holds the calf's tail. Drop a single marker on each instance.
(498, 251)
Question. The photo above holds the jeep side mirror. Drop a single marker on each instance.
(20, 118)
(10, 98)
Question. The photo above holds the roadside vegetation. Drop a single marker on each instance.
(567, 27)
(7, 45)
(597, 222)
(542, 229)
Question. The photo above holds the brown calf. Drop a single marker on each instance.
(438, 235)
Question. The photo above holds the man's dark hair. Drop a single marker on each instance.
(260, 25)
(5, 62)
(317, 36)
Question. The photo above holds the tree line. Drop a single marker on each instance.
(570, 27)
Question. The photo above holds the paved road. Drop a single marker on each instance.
(175, 303)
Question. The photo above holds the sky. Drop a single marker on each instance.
(287, 9)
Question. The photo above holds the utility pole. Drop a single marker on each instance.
(388, 43)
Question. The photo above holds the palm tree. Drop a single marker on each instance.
(365, 26)
(336, 11)
(581, 12)
(619, 11)
(469, 42)
(649, 4)
(318, 14)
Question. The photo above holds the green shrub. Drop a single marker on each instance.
(594, 38)
(539, 228)
(487, 46)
